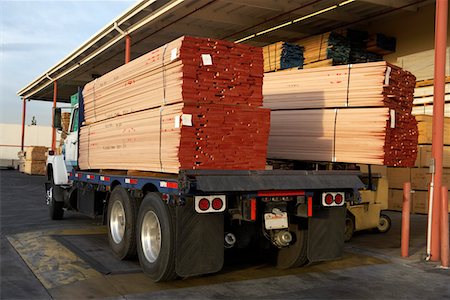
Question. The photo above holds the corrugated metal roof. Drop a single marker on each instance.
(152, 23)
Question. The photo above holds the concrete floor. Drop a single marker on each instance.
(69, 259)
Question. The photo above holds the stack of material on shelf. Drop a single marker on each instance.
(420, 176)
(355, 114)
(34, 160)
(65, 120)
(331, 47)
(194, 103)
(358, 50)
(423, 98)
(381, 44)
(282, 55)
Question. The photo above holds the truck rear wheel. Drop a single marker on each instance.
(295, 255)
(156, 238)
(55, 208)
(122, 223)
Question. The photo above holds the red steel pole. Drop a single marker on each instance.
(438, 120)
(406, 211)
(444, 227)
(24, 113)
(55, 93)
(127, 48)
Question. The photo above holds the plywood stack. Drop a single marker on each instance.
(354, 114)
(381, 44)
(34, 160)
(282, 55)
(194, 103)
(419, 176)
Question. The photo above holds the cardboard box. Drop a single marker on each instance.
(395, 201)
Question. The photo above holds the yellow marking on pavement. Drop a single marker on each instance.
(51, 262)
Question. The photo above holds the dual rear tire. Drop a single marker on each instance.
(147, 232)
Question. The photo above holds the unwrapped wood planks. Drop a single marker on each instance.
(192, 104)
(425, 125)
(331, 114)
(282, 55)
(189, 70)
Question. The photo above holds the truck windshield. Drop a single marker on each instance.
(75, 121)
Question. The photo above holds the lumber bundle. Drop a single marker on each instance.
(351, 135)
(421, 64)
(381, 44)
(425, 126)
(424, 98)
(337, 48)
(282, 55)
(330, 45)
(331, 114)
(189, 70)
(192, 104)
(33, 160)
(358, 85)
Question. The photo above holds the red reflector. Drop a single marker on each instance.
(280, 193)
(165, 197)
(106, 179)
(329, 199)
(172, 185)
(203, 204)
(310, 206)
(253, 209)
(217, 203)
(338, 199)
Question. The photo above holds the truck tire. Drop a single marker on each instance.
(294, 255)
(55, 208)
(121, 223)
(156, 238)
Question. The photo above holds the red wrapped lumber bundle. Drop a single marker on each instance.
(354, 114)
(213, 120)
(189, 70)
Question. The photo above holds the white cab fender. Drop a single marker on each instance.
(59, 169)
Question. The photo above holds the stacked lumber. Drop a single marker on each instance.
(381, 44)
(353, 114)
(424, 98)
(425, 126)
(33, 160)
(282, 55)
(65, 122)
(194, 103)
(330, 45)
(337, 48)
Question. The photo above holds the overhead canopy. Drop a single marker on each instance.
(152, 23)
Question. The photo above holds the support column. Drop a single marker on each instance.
(127, 48)
(55, 94)
(24, 114)
(438, 121)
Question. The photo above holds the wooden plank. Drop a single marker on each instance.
(425, 127)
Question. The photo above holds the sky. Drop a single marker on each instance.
(34, 36)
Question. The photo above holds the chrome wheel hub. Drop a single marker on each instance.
(117, 222)
(151, 236)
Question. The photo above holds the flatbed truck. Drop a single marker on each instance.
(180, 225)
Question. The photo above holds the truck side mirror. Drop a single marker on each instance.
(57, 118)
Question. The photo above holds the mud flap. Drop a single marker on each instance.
(199, 241)
(326, 234)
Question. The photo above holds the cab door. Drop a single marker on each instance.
(71, 142)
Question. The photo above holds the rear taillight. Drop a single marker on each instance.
(207, 204)
(203, 204)
(217, 203)
(338, 199)
(329, 199)
(333, 199)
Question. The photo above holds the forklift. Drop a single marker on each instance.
(367, 214)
